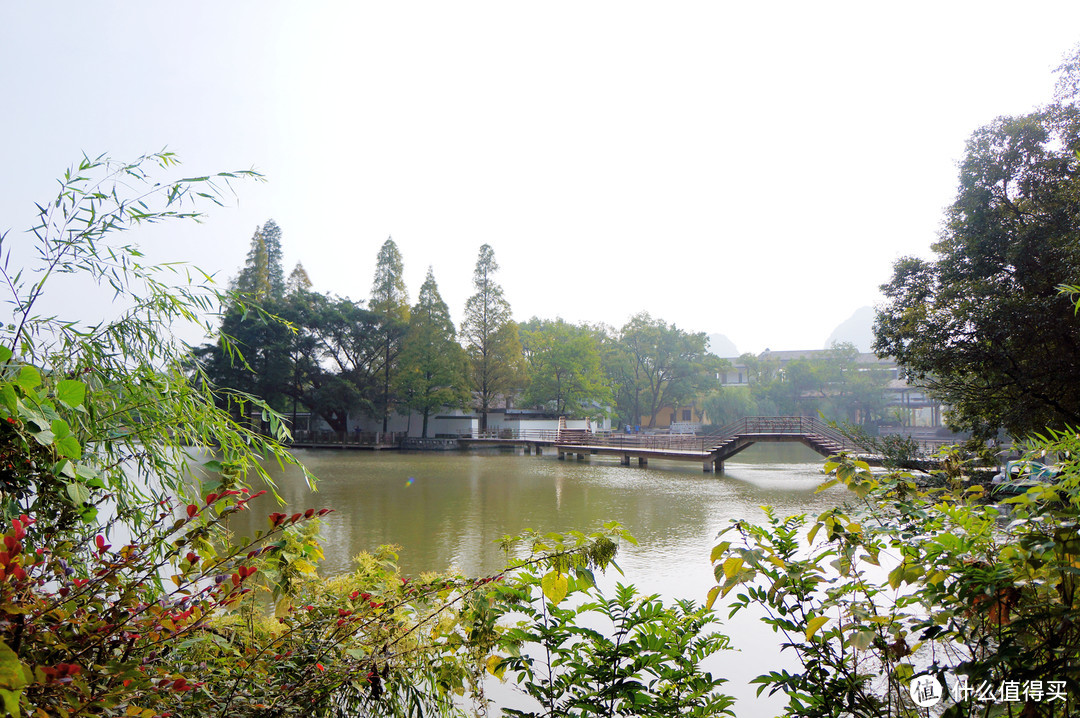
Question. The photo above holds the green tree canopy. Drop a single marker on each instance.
(662, 366)
(983, 325)
(432, 363)
(564, 370)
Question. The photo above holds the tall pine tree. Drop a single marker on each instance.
(496, 364)
(298, 281)
(262, 277)
(431, 371)
(390, 302)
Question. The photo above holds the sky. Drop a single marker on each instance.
(749, 169)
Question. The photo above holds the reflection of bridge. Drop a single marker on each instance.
(712, 450)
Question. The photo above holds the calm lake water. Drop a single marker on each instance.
(448, 510)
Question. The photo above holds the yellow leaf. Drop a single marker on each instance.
(719, 550)
(496, 667)
(732, 566)
(814, 624)
(554, 585)
(713, 593)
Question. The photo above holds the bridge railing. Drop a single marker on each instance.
(674, 442)
(547, 435)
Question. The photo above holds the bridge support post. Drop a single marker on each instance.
(562, 456)
(624, 459)
(642, 461)
(707, 467)
(539, 450)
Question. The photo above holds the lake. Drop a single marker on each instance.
(448, 510)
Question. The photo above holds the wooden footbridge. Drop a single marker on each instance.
(712, 450)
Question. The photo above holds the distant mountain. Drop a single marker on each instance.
(857, 330)
(721, 346)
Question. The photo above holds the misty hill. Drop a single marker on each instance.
(721, 346)
(858, 329)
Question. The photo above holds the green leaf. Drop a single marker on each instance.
(719, 550)
(66, 443)
(5, 354)
(11, 401)
(79, 494)
(896, 576)
(554, 585)
(12, 679)
(71, 392)
(11, 701)
(814, 624)
(860, 639)
(69, 446)
(29, 378)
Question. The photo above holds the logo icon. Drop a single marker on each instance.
(925, 690)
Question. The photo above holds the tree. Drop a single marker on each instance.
(492, 341)
(432, 363)
(255, 348)
(564, 371)
(262, 276)
(253, 354)
(390, 302)
(668, 366)
(298, 281)
(729, 403)
(983, 325)
(340, 364)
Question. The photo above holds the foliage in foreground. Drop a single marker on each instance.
(577, 652)
(96, 409)
(980, 592)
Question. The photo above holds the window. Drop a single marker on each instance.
(686, 415)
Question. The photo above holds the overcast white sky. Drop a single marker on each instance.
(751, 169)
